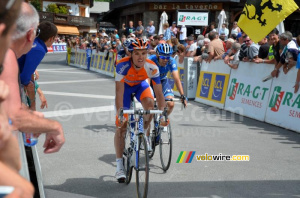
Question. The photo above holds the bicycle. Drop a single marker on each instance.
(137, 145)
(162, 138)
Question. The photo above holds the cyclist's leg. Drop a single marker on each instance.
(145, 96)
(168, 93)
(119, 139)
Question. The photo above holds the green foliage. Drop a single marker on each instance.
(63, 10)
(37, 4)
(52, 7)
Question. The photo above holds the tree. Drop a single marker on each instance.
(52, 7)
(37, 4)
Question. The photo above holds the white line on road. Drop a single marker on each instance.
(78, 95)
(71, 81)
(66, 72)
(65, 69)
(70, 112)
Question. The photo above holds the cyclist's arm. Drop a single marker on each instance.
(119, 95)
(159, 96)
(178, 82)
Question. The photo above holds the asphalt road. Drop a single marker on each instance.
(83, 102)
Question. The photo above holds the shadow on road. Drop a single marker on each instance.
(106, 186)
(101, 128)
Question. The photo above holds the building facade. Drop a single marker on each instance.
(145, 10)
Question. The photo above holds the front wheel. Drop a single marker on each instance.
(165, 147)
(142, 169)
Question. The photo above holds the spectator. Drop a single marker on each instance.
(88, 55)
(224, 31)
(174, 29)
(153, 44)
(296, 87)
(191, 47)
(140, 30)
(150, 29)
(234, 60)
(216, 47)
(235, 29)
(263, 52)
(243, 50)
(103, 34)
(175, 43)
(180, 53)
(123, 29)
(94, 42)
(116, 34)
(182, 35)
(289, 54)
(204, 32)
(212, 28)
(130, 29)
(252, 49)
(167, 34)
(229, 44)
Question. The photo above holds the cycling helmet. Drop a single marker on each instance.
(127, 42)
(138, 44)
(164, 49)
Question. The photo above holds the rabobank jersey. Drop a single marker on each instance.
(171, 66)
(125, 72)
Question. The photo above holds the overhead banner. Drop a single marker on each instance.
(247, 95)
(192, 18)
(213, 83)
(284, 105)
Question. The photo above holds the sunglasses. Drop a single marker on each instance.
(164, 57)
(37, 32)
(247, 41)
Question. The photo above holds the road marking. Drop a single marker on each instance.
(66, 72)
(70, 112)
(65, 69)
(71, 81)
(78, 95)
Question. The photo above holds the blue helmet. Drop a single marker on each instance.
(138, 44)
(127, 42)
(164, 49)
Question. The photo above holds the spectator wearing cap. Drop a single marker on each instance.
(224, 31)
(252, 49)
(243, 50)
(191, 47)
(174, 29)
(234, 60)
(216, 47)
(289, 53)
(139, 30)
(182, 35)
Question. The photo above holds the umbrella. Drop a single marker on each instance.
(222, 18)
(163, 20)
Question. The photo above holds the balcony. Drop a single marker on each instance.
(67, 19)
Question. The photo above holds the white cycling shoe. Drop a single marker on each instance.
(120, 176)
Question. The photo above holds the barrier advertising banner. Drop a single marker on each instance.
(247, 95)
(213, 83)
(59, 47)
(284, 105)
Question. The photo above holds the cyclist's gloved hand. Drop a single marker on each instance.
(163, 122)
(183, 100)
(121, 121)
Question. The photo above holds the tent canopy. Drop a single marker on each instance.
(63, 29)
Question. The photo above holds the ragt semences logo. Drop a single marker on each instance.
(237, 88)
(279, 98)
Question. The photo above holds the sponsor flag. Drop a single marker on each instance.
(260, 17)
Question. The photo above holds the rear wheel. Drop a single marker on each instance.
(142, 169)
(165, 147)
